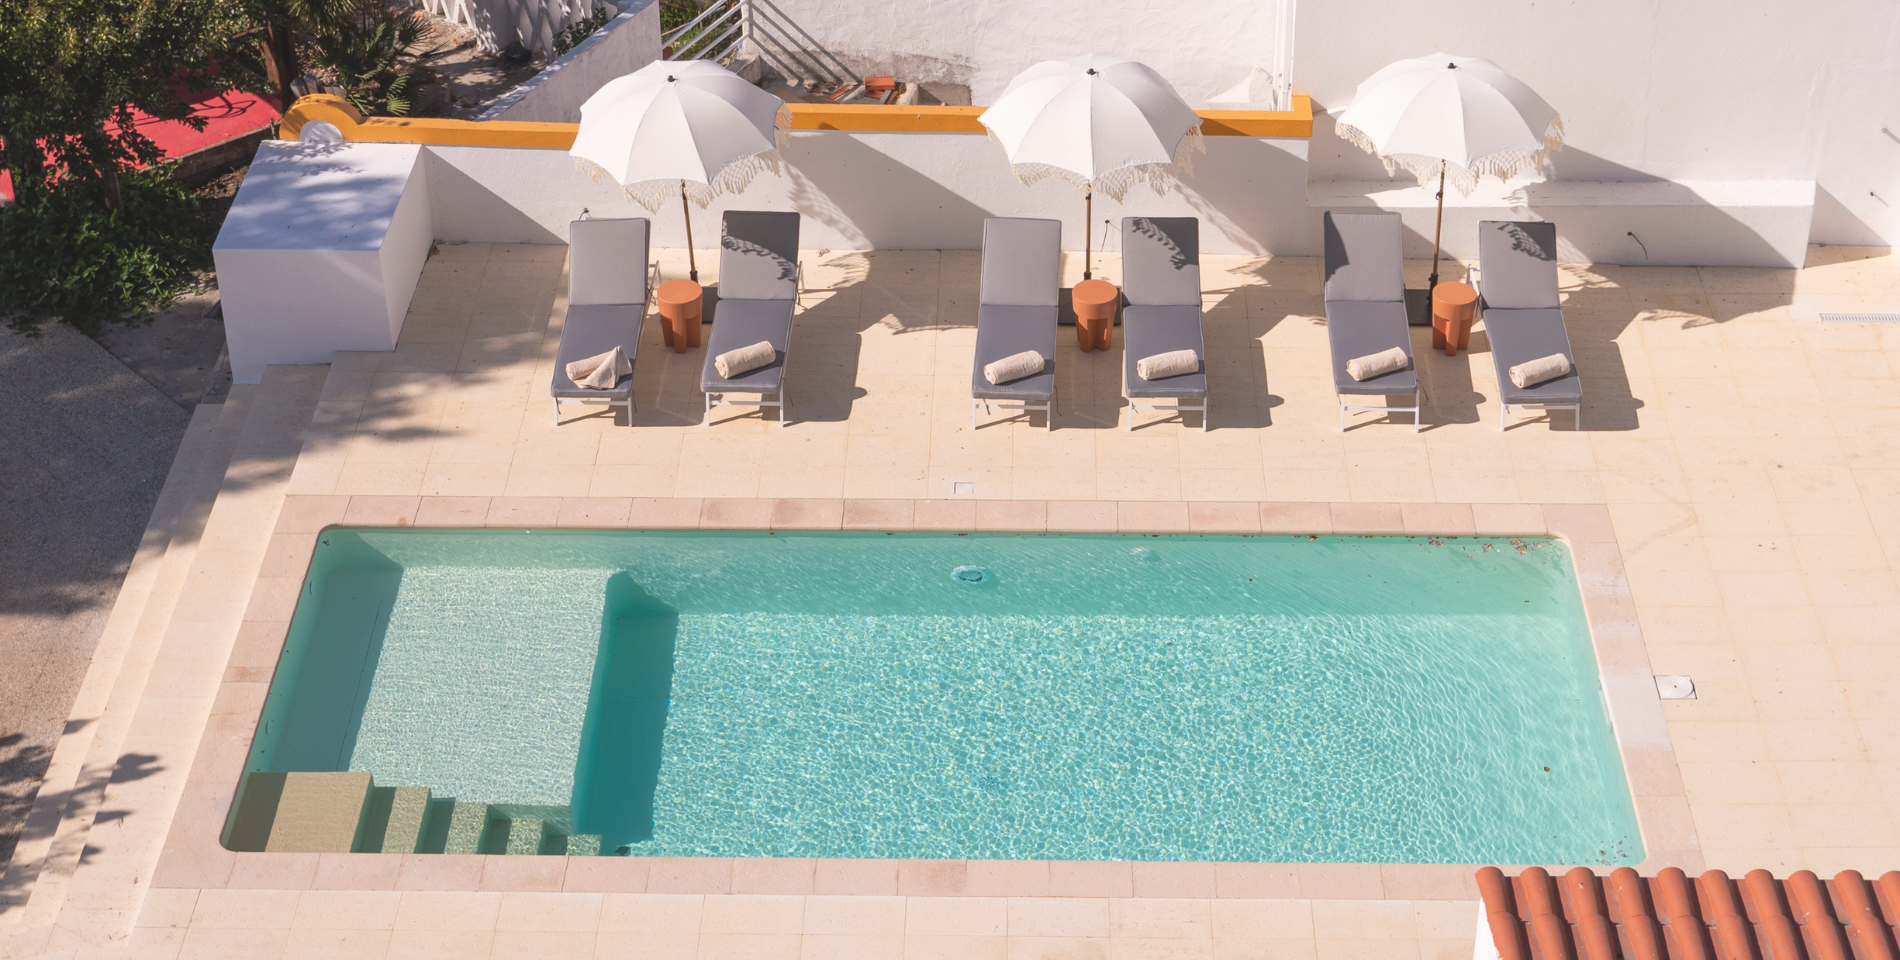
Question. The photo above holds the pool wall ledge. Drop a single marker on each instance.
(194, 858)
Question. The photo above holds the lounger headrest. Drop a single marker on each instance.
(1518, 261)
(1161, 260)
(1364, 256)
(1022, 262)
(758, 255)
(606, 261)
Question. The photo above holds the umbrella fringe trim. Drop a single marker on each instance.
(1504, 164)
(734, 178)
(1115, 184)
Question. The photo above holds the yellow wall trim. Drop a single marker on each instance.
(1297, 123)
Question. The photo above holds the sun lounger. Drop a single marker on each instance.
(1161, 281)
(1365, 308)
(759, 281)
(1016, 312)
(1517, 267)
(608, 282)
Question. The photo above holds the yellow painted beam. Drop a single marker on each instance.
(1297, 123)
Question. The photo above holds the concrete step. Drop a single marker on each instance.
(61, 819)
(189, 650)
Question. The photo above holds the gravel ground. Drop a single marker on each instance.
(84, 452)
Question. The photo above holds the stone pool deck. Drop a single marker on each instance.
(1733, 497)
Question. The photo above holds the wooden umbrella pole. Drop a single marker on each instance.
(1439, 228)
(1088, 217)
(686, 213)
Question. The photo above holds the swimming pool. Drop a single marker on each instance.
(1289, 699)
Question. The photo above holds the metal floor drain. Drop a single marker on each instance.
(1860, 318)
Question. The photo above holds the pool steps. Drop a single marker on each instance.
(342, 812)
(1581, 915)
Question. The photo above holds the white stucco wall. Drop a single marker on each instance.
(1202, 48)
(1698, 91)
(321, 251)
(1688, 90)
(627, 43)
(879, 191)
(930, 191)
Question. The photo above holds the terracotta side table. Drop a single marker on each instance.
(1452, 307)
(679, 313)
(1094, 313)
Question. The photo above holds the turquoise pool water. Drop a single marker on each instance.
(855, 695)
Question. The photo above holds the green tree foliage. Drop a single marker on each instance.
(73, 72)
(375, 54)
(65, 255)
(89, 240)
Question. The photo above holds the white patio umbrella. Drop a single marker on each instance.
(1098, 122)
(689, 125)
(1457, 117)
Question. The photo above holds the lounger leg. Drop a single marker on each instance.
(557, 411)
(1579, 417)
(1342, 415)
(973, 415)
(1049, 416)
(1418, 411)
(1205, 404)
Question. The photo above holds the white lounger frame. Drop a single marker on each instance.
(1048, 408)
(1417, 409)
(762, 403)
(1476, 279)
(653, 285)
(1504, 408)
(1179, 406)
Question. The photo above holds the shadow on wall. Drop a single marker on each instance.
(477, 211)
(1835, 222)
(1606, 212)
(1602, 234)
(1243, 187)
(874, 195)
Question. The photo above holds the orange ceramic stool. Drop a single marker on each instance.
(679, 313)
(1094, 313)
(1452, 307)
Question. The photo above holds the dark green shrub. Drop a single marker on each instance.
(64, 255)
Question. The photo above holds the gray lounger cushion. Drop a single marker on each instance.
(591, 330)
(1017, 307)
(1006, 329)
(606, 300)
(1161, 279)
(1355, 328)
(743, 322)
(1522, 319)
(1520, 336)
(758, 289)
(1022, 262)
(1148, 330)
(607, 260)
(1519, 262)
(1364, 256)
(1161, 260)
(758, 255)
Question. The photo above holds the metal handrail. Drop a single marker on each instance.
(676, 32)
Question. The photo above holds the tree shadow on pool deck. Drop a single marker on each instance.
(618, 768)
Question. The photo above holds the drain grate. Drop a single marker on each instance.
(1860, 318)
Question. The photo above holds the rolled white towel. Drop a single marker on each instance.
(1378, 364)
(600, 372)
(1013, 367)
(1533, 372)
(749, 357)
(1171, 364)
